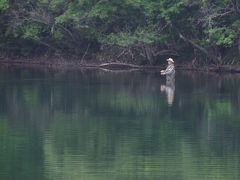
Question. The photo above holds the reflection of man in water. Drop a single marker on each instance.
(169, 88)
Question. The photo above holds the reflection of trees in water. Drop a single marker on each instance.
(117, 122)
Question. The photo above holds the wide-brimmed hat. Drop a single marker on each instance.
(171, 60)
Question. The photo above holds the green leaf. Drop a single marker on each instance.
(222, 36)
(4, 4)
(31, 31)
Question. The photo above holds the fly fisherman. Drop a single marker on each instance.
(169, 88)
(170, 70)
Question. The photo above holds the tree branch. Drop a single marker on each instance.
(194, 44)
(235, 5)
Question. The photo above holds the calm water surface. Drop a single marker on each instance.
(96, 125)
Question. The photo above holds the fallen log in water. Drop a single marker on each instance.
(118, 66)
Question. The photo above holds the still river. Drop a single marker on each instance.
(97, 125)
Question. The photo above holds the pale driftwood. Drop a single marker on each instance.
(116, 65)
(118, 71)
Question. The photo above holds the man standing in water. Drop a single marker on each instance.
(169, 88)
(170, 71)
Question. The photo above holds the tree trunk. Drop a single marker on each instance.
(149, 54)
(215, 55)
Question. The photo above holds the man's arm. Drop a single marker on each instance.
(169, 70)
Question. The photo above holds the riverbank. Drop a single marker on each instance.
(114, 66)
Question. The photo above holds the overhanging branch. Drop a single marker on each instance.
(202, 49)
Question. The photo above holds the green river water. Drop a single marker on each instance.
(97, 125)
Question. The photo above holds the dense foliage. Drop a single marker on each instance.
(139, 31)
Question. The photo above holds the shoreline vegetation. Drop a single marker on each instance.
(116, 66)
(198, 34)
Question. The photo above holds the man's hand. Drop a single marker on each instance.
(162, 88)
(162, 72)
